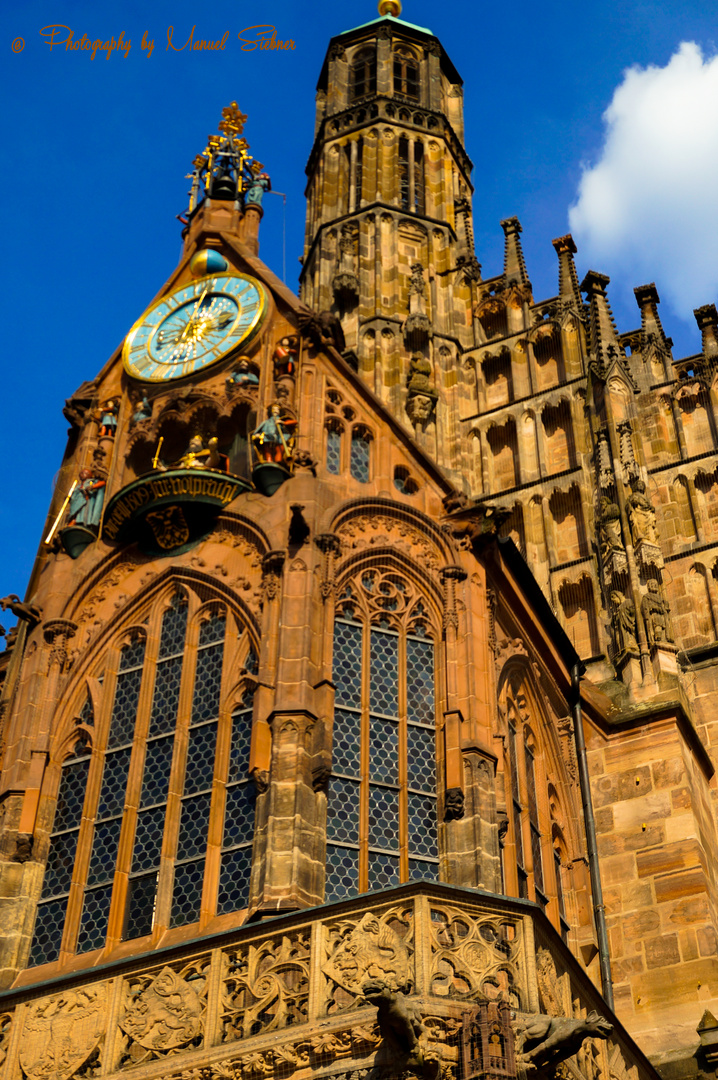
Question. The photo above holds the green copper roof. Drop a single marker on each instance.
(391, 18)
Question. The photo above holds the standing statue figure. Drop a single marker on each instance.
(273, 440)
(256, 189)
(656, 616)
(108, 418)
(285, 356)
(85, 507)
(624, 623)
(641, 514)
(609, 528)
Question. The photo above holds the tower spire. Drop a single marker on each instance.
(604, 341)
(648, 300)
(568, 289)
(514, 265)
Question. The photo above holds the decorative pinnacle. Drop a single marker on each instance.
(233, 120)
(390, 7)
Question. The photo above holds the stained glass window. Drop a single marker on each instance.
(359, 456)
(155, 753)
(384, 750)
(334, 450)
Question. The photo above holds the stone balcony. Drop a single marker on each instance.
(284, 998)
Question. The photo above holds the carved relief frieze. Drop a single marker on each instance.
(63, 1032)
(266, 987)
(483, 954)
(164, 1012)
(380, 530)
(377, 946)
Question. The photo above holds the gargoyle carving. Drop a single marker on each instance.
(542, 1042)
(401, 1029)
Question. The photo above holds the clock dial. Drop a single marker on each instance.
(194, 326)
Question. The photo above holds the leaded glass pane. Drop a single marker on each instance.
(384, 817)
(148, 838)
(60, 864)
(384, 750)
(95, 913)
(422, 825)
(420, 681)
(166, 696)
(174, 626)
(71, 795)
(200, 758)
(359, 458)
(419, 869)
(239, 750)
(87, 714)
(346, 742)
(194, 823)
(383, 870)
(156, 776)
(421, 766)
(208, 678)
(239, 814)
(140, 906)
(114, 783)
(132, 655)
(384, 673)
(343, 810)
(347, 663)
(234, 880)
(104, 852)
(124, 708)
(187, 894)
(342, 879)
(212, 630)
(47, 938)
(334, 449)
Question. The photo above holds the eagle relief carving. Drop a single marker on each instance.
(368, 950)
(61, 1032)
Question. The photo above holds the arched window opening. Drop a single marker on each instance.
(359, 456)
(358, 173)
(533, 815)
(381, 822)
(494, 319)
(406, 73)
(419, 195)
(561, 900)
(404, 481)
(172, 791)
(362, 79)
(334, 448)
(404, 175)
(517, 810)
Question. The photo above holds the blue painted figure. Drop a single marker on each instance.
(273, 440)
(243, 376)
(143, 411)
(86, 500)
(108, 418)
(256, 189)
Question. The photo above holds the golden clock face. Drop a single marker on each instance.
(194, 326)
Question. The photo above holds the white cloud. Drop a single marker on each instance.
(648, 210)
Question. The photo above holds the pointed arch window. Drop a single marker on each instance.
(406, 73)
(362, 77)
(167, 822)
(381, 821)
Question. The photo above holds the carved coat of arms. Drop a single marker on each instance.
(369, 950)
(169, 527)
(166, 1014)
(61, 1032)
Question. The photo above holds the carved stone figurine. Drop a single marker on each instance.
(545, 1041)
(401, 1028)
(656, 616)
(453, 804)
(641, 514)
(609, 528)
(624, 623)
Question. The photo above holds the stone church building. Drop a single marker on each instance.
(359, 721)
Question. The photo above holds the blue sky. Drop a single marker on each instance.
(96, 153)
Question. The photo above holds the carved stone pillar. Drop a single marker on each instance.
(472, 832)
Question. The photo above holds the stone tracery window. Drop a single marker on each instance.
(168, 769)
(381, 822)
(360, 452)
(406, 73)
(362, 79)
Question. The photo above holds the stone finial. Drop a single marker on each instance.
(648, 300)
(604, 343)
(707, 319)
(568, 289)
(514, 265)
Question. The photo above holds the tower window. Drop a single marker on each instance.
(359, 456)
(404, 177)
(362, 77)
(381, 824)
(406, 73)
(147, 866)
(419, 199)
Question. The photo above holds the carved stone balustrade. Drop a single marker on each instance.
(286, 998)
